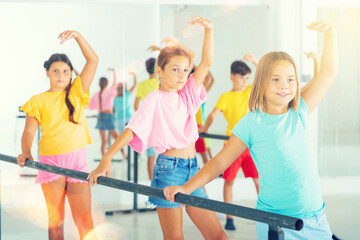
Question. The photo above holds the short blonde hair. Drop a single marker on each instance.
(262, 77)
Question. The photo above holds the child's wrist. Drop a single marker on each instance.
(331, 32)
(108, 156)
(77, 35)
(186, 189)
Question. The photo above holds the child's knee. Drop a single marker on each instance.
(228, 183)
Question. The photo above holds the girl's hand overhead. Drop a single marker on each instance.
(170, 42)
(322, 26)
(311, 55)
(153, 48)
(206, 23)
(67, 35)
(250, 57)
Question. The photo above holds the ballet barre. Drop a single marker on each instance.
(275, 221)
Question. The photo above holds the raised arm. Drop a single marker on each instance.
(209, 81)
(315, 57)
(105, 164)
(27, 139)
(135, 82)
(210, 119)
(211, 170)
(88, 72)
(251, 58)
(154, 48)
(207, 56)
(137, 103)
(329, 66)
(114, 76)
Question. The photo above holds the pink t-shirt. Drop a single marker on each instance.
(107, 99)
(167, 120)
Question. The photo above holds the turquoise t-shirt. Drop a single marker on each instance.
(281, 148)
(119, 107)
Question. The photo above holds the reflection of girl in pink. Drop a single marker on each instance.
(103, 101)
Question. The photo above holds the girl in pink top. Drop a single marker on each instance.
(166, 121)
(103, 101)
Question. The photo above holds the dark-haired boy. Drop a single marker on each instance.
(234, 105)
(144, 88)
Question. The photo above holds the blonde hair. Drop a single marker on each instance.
(165, 56)
(262, 78)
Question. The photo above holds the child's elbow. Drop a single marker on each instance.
(96, 59)
(208, 62)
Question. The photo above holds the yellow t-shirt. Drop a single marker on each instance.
(199, 117)
(147, 86)
(234, 105)
(58, 134)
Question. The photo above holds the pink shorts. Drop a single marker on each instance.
(245, 162)
(75, 160)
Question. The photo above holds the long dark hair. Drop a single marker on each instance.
(103, 82)
(59, 57)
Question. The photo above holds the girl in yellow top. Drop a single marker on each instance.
(64, 135)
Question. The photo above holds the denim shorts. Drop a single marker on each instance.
(316, 227)
(170, 171)
(105, 121)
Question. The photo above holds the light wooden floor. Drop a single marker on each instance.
(342, 211)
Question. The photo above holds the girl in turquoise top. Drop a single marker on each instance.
(122, 109)
(276, 131)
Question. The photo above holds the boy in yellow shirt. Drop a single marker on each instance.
(234, 105)
(144, 88)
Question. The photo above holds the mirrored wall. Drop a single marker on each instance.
(121, 33)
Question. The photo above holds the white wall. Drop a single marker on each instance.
(339, 112)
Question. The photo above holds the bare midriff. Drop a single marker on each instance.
(107, 111)
(187, 152)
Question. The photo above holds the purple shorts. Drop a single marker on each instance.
(75, 160)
